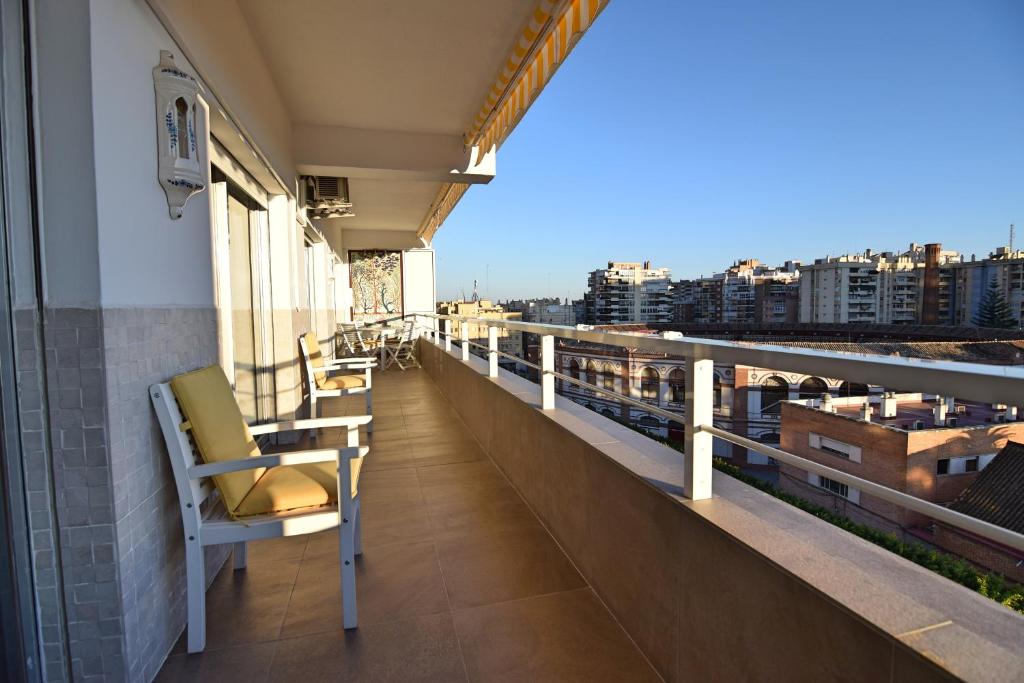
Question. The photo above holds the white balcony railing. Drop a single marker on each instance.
(983, 383)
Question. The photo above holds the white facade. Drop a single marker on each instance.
(866, 288)
(629, 293)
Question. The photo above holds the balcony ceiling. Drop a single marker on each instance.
(382, 92)
(421, 66)
(378, 92)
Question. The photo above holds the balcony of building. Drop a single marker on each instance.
(506, 541)
(509, 534)
(459, 579)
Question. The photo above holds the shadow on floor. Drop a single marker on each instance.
(458, 579)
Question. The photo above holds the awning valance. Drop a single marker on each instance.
(553, 31)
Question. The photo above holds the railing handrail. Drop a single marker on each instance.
(984, 383)
(937, 512)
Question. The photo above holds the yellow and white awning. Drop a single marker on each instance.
(553, 31)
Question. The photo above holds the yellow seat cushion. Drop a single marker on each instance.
(218, 429)
(323, 473)
(316, 358)
(344, 382)
(281, 489)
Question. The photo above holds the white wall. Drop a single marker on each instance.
(145, 257)
(216, 35)
(418, 281)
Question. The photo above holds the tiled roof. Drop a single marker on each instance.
(993, 352)
(997, 495)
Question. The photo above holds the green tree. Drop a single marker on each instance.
(994, 311)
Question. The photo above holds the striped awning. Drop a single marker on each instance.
(554, 29)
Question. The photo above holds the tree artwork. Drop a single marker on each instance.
(993, 310)
(376, 284)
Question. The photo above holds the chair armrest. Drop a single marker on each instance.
(351, 421)
(345, 368)
(276, 460)
(357, 359)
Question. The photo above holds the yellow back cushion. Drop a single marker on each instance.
(316, 359)
(218, 428)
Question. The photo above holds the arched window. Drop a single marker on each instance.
(774, 391)
(608, 413)
(574, 369)
(677, 386)
(812, 387)
(853, 389)
(770, 438)
(649, 384)
(607, 378)
(649, 421)
(591, 373)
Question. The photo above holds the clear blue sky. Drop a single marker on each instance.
(693, 133)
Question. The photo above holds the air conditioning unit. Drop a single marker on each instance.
(327, 197)
(918, 424)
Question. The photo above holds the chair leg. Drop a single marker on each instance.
(312, 414)
(196, 595)
(348, 569)
(369, 411)
(240, 555)
(357, 541)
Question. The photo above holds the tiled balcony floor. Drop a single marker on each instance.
(458, 579)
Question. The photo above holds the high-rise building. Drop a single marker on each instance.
(964, 284)
(629, 293)
(741, 294)
(876, 287)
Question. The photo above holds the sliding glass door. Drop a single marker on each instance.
(246, 287)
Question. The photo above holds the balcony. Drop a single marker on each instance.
(459, 579)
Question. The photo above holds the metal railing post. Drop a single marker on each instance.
(437, 331)
(464, 335)
(547, 366)
(447, 335)
(697, 444)
(492, 351)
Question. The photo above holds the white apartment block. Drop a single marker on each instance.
(629, 293)
(868, 287)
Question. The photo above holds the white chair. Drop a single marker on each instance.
(324, 378)
(400, 349)
(265, 495)
(355, 342)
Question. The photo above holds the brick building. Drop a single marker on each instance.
(995, 496)
(926, 446)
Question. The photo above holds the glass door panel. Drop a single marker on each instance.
(242, 318)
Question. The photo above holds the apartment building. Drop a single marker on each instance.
(872, 287)
(748, 291)
(931, 447)
(964, 284)
(508, 341)
(626, 292)
(777, 300)
(548, 310)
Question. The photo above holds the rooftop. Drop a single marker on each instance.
(913, 408)
(995, 496)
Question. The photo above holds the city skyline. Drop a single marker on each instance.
(817, 135)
